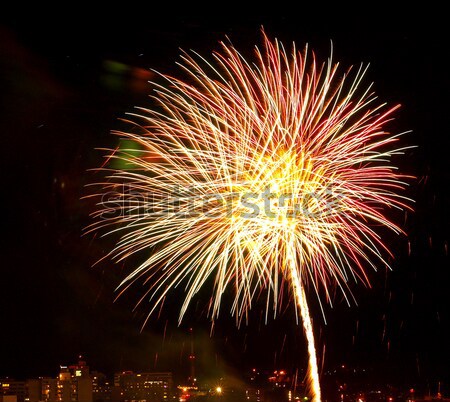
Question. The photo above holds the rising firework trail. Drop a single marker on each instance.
(257, 174)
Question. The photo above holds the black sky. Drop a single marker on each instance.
(63, 91)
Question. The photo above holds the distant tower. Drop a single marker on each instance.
(192, 380)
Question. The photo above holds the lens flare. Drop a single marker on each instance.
(255, 174)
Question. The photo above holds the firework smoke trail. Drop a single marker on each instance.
(255, 174)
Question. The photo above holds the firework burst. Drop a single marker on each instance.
(254, 175)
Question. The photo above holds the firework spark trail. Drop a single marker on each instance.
(255, 174)
(299, 291)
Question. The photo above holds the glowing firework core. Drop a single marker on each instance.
(251, 173)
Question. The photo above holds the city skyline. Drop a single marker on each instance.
(79, 382)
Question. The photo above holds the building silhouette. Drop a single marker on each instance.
(10, 388)
(143, 387)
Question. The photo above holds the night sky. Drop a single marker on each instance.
(65, 87)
